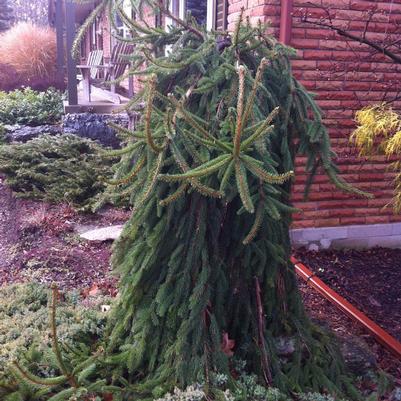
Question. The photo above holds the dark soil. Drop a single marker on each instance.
(321, 310)
(38, 242)
(371, 281)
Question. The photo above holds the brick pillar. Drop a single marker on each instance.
(268, 11)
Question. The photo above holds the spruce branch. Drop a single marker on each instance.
(126, 132)
(240, 110)
(121, 152)
(148, 113)
(256, 83)
(40, 381)
(203, 170)
(132, 175)
(181, 112)
(202, 141)
(243, 187)
(261, 331)
(175, 195)
(153, 177)
(227, 175)
(253, 166)
(162, 64)
(56, 347)
(256, 224)
(187, 26)
(238, 27)
(85, 27)
(263, 129)
(201, 188)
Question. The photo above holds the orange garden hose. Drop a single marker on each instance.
(381, 335)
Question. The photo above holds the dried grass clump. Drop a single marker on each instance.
(31, 50)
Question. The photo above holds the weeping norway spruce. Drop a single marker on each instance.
(205, 275)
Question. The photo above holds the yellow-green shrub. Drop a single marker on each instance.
(379, 132)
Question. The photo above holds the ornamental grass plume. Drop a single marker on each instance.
(31, 50)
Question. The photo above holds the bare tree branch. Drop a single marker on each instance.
(379, 48)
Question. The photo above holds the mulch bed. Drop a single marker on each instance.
(321, 310)
(369, 279)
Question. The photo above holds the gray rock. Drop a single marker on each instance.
(83, 228)
(325, 243)
(23, 133)
(94, 126)
(285, 346)
(313, 247)
(357, 355)
(395, 394)
(110, 233)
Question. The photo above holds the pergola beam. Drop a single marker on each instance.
(60, 39)
(286, 21)
(71, 64)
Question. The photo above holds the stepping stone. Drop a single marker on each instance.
(109, 233)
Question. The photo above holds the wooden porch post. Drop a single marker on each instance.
(71, 65)
(286, 21)
(60, 39)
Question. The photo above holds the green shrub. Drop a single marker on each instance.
(25, 331)
(246, 389)
(29, 107)
(62, 168)
(2, 133)
(197, 392)
(316, 397)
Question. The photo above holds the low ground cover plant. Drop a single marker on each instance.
(29, 107)
(2, 133)
(25, 333)
(62, 168)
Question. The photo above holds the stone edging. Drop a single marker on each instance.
(353, 236)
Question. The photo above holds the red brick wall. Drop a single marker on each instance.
(264, 10)
(345, 76)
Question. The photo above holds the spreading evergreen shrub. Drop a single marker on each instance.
(25, 335)
(29, 107)
(2, 133)
(63, 168)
